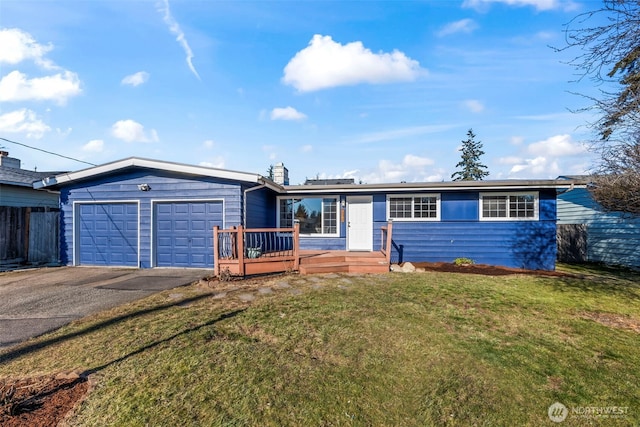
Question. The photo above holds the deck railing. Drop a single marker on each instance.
(385, 244)
(242, 251)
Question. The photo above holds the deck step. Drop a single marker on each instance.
(343, 262)
(344, 267)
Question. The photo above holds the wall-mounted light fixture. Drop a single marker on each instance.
(343, 203)
(144, 187)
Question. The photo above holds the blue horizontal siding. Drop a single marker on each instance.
(260, 208)
(459, 206)
(530, 244)
(323, 243)
(612, 237)
(164, 186)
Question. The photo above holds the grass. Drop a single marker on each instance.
(397, 349)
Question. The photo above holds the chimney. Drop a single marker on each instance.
(280, 174)
(8, 162)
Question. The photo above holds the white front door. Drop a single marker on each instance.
(360, 223)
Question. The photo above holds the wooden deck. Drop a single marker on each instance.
(240, 252)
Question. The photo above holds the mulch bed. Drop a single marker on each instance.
(40, 402)
(487, 270)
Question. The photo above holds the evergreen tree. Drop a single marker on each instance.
(472, 169)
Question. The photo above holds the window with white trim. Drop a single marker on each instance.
(422, 207)
(509, 206)
(316, 215)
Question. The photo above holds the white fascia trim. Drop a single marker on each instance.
(155, 164)
(442, 188)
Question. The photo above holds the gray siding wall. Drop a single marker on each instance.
(612, 238)
(24, 197)
(164, 186)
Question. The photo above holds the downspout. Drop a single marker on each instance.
(244, 203)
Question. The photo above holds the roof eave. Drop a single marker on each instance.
(441, 186)
(108, 168)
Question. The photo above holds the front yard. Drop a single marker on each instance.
(346, 350)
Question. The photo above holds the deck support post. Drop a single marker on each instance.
(296, 246)
(216, 252)
(240, 246)
(388, 243)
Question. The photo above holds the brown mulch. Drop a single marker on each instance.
(41, 401)
(484, 269)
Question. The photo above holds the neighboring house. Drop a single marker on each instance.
(147, 213)
(587, 233)
(28, 217)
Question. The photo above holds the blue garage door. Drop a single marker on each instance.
(108, 234)
(184, 233)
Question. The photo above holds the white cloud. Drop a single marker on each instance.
(324, 64)
(175, 29)
(516, 140)
(94, 146)
(23, 121)
(510, 160)
(64, 132)
(209, 144)
(17, 46)
(559, 145)
(287, 113)
(306, 148)
(474, 105)
(136, 79)
(537, 167)
(465, 26)
(132, 131)
(270, 150)
(413, 161)
(412, 168)
(216, 162)
(538, 4)
(15, 86)
(549, 158)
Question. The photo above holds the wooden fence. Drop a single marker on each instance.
(29, 235)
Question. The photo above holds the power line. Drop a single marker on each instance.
(48, 152)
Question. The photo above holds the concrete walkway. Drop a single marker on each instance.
(36, 301)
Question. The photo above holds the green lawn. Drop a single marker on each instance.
(391, 350)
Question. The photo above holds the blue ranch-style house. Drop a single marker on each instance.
(146, 213)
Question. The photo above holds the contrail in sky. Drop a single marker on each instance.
(174, 27)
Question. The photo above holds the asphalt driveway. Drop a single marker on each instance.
(33, 302)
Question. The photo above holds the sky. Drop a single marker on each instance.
(378, 91)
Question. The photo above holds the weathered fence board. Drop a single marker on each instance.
(44, 237)
(28, 235)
